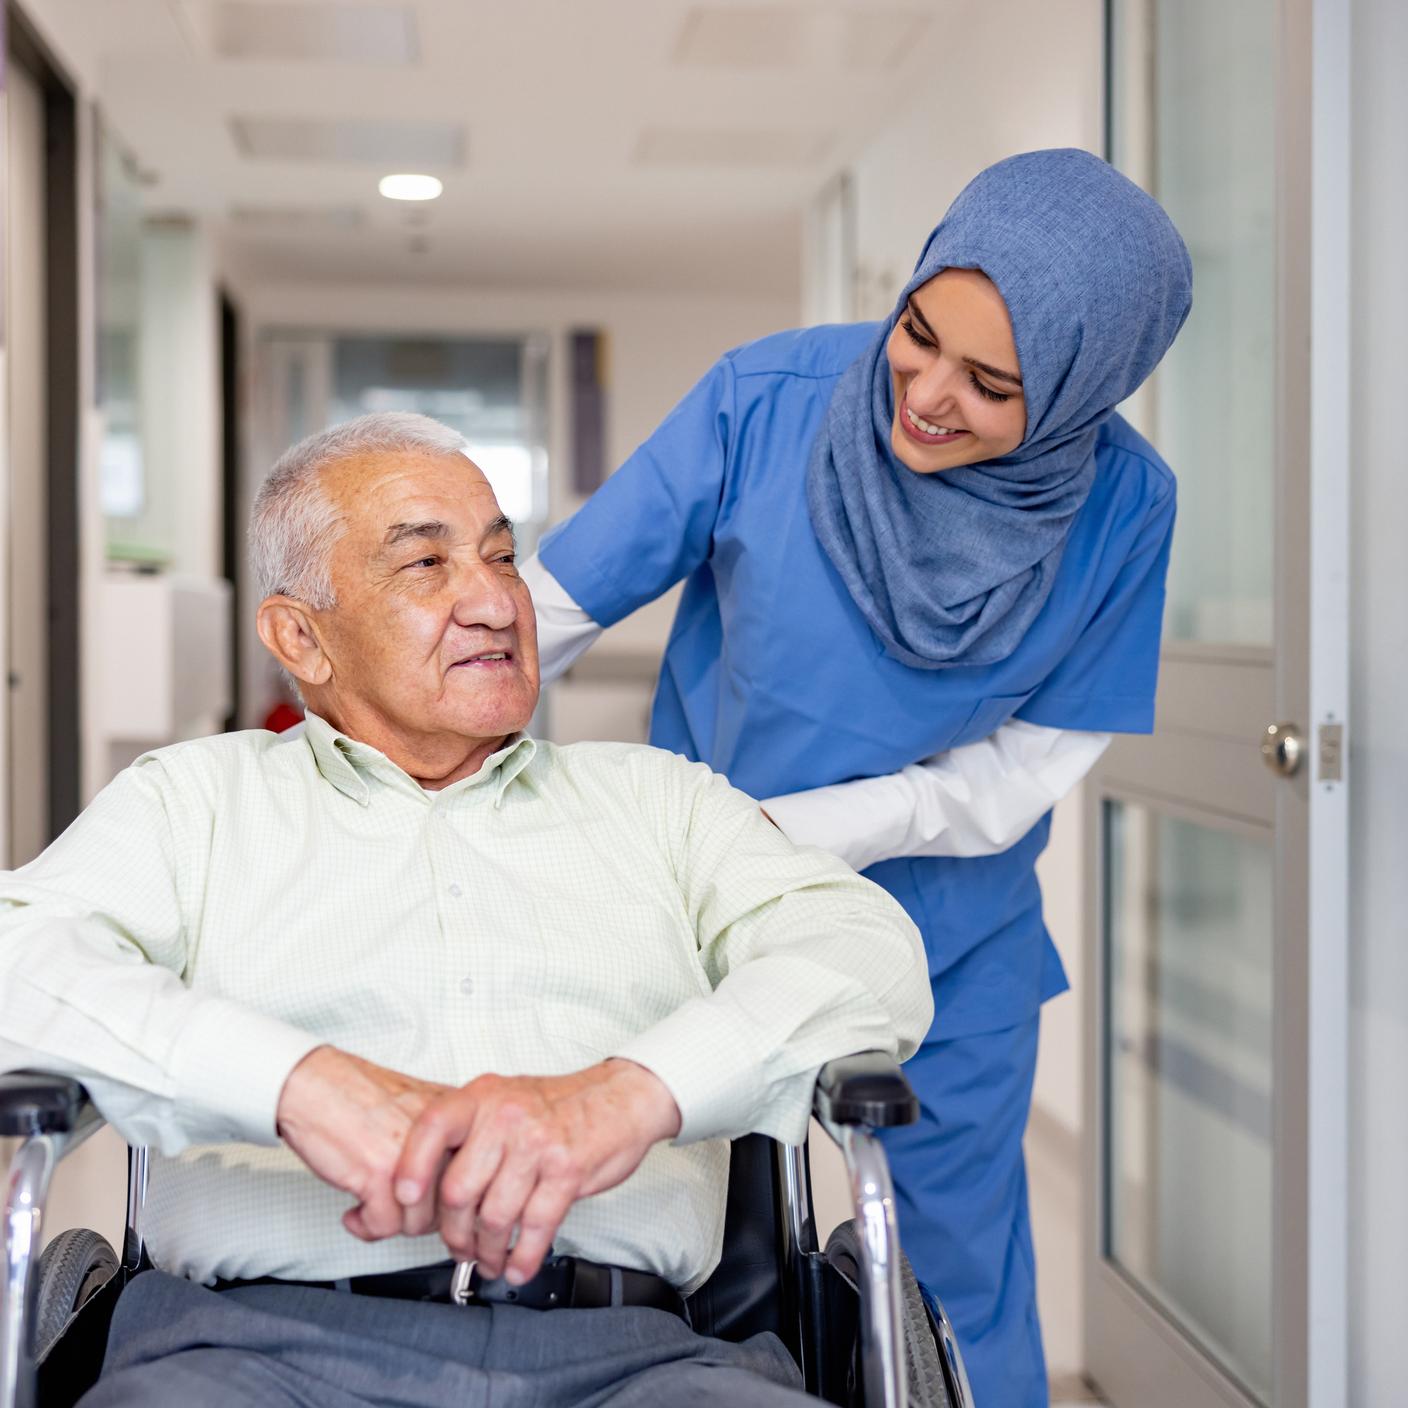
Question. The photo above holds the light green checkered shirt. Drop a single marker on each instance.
(227, 905)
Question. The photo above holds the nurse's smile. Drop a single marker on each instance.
(923, 432)
(953, 360)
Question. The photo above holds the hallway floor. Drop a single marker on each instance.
(1053, 1162)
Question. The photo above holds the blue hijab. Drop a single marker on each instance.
(951, 568)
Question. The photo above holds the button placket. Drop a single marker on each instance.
(446, 859)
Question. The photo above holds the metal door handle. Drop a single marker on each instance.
(1282, 748)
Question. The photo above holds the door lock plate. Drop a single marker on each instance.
(1330, 747)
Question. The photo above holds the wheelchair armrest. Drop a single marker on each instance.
(867, 1088)
(34, 1102)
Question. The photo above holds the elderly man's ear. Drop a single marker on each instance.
(291, 636)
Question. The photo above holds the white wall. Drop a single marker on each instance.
(1379, 748)
(1018, 80)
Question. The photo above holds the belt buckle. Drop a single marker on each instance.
(461, 1292)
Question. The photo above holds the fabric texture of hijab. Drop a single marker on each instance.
(950, 568)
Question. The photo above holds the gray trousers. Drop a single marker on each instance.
(174, 1342)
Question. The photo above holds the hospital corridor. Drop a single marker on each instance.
(704, 703)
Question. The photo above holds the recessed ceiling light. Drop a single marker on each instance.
(409, 187)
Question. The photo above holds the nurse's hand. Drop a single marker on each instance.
(521, 1150)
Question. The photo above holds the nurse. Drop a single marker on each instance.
(924, 571)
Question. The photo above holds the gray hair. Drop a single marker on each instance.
(294, 525)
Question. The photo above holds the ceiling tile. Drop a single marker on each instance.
(738, 36)
(313, 33)
(873, 39)
(681, 146)
(861, 38)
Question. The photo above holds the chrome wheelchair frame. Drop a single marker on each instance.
(854, 1096)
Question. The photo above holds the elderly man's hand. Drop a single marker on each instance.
(348, 1120)
(522, 1150)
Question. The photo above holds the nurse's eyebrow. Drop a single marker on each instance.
(994, 372)
(912, 309)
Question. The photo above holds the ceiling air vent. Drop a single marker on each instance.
(400, 146)
(313, 33)
(859, 38)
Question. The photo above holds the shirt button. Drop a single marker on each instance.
(456, 891)
(467, 986)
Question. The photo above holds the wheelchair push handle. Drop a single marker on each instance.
(865, 1089)
(33, 1102)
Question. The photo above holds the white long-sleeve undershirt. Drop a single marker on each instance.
(974, 800)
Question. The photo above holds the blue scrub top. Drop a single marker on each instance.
(775, 679)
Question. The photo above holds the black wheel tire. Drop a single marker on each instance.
(928, 1386)
(70, 1269)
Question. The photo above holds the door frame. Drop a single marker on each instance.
(232, 526)
(1133, 1351)
(26, 48)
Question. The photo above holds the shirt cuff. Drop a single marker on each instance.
(230, 1065)
(703, 1052)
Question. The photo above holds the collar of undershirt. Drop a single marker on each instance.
(355, 768)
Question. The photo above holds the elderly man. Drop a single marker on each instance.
(415, 981)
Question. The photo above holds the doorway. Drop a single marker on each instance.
(1213, 1273)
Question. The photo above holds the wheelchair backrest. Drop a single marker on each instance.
(747, 1293)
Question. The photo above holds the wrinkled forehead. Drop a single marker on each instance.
(374, 493)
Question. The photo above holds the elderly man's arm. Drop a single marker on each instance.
(807, 961)
(93, 948)
(93, 943)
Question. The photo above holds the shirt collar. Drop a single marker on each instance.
(352, 766)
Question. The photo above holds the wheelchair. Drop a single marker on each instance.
(853, 1315)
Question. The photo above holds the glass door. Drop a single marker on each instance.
(1203, 1244)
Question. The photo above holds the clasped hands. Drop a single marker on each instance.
(476, 1163)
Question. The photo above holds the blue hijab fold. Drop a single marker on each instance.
(951, 568)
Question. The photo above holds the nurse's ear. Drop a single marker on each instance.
(290, 634)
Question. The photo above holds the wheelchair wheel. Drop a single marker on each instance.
(928, 1384)
(71, 1268)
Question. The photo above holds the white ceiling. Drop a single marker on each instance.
(641, 143)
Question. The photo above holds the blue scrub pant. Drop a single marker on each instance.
(961, 1191)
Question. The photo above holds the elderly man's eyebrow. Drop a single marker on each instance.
(502, 524)
(428, 528)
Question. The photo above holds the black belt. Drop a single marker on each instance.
(564, 1282)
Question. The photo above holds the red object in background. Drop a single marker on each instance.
(282, 716)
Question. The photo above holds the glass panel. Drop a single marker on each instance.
(492, 390)
(118, 234)
(475, 387)
(1193, 121)
(1189, 1063)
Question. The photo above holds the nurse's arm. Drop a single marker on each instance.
(976, 800)
(565, 630)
